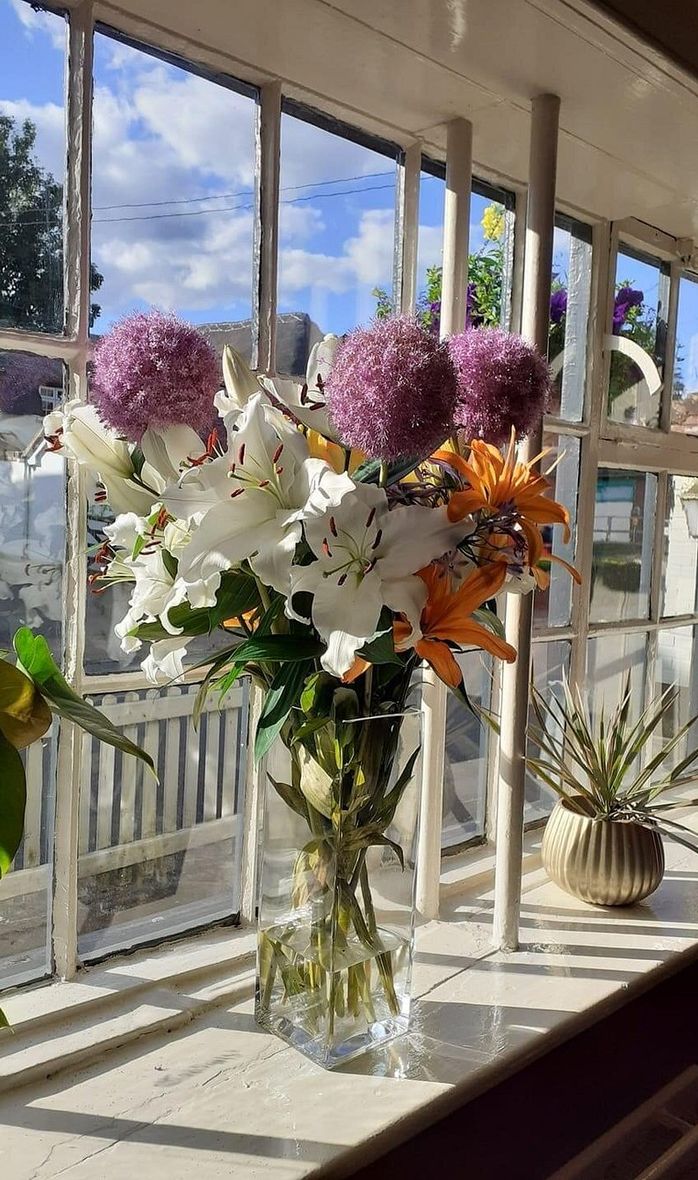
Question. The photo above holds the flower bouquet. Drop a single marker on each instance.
(340, 532)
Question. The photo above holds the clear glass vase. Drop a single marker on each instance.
(336, 878)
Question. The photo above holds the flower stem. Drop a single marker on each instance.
(383, 474)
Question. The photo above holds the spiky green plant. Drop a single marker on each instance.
(597, 765)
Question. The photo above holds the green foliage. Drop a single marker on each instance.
(605, 768)
(31, 258)
(13, 797)
(237, 594)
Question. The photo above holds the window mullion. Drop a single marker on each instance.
(601, 280)
(675, 273)
(434, 692)
(77, 288)
(268, 166)
(407, 229)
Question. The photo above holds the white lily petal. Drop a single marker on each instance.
(126, 530)
(240, 383)
(123, 495)
(406, 596)
(167, 450)
(414, 536)
(346, 616)
(165, 660)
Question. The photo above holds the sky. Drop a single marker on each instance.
(173, 174)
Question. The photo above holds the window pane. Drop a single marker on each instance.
(677, 666)
(488, 269)
(552, 606)
(623, 543)
(569, 317)
(684, 398)
(159, 858)
(32, 544)
(32, 148)
(679, 581)
(610, 659)
(639, 339)
(467, 751)
(337, 237)
(173, 194)
(550, 663)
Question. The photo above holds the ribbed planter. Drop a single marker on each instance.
(601, 861)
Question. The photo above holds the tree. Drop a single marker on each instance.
(31, 236)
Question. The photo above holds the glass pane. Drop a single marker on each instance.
(32, 544)
(569, 318)
(610, 658)
(337, 231)
(467, 751)
(159, 858)
(173, 196)
(550, 663)
(32, 167)
(684, 396)
(680, 568)
(639, 339)
(676, 665)
(488, 297)
(623, 544)
(552, 606)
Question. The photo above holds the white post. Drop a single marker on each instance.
(434, 692)
(69, 779)
(267, 223)
(405, 286)
(540, 224)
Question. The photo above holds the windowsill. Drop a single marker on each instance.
(204, 1087)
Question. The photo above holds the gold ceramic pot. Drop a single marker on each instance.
(601, 861)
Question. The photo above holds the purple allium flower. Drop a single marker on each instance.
(626, 298)
(392, 389)
(152, 369)
(503, 382)
(558, 305)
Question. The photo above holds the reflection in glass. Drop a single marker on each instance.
(467, 751)
(684, 395)
(32, 145)
(680, 566)
(552, 605)
(159, 858)
(569, 317)
(623, 542)
(550, 665)
(32, 546)
(638, 339)
(611, 658)
(676, 665)
(173, 210)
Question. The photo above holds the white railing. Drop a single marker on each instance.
(125, 816)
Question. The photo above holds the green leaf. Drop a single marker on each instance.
(37, 661)
(170, 563)
(381, 649)
(4, 1022)
(24, 715)
(237, 593)
(487, 618)
(13, 798)
(282, 695)
(369, 472)
(291, 797)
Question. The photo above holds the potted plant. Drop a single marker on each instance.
(32, 691)
(603, 841)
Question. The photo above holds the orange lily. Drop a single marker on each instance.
(497, 482)
(447, 616)
(320, 447)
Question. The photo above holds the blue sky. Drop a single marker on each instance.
(173, 174)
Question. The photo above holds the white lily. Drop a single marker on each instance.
(367, 558)
(250, 504)
(240, 384)
(81, 432)
(307, 401)
(166, 451)
(165, 660)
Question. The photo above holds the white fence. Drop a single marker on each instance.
(126, 817)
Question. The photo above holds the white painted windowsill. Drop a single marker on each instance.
(160, 1069)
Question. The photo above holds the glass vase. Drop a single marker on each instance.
(336, 883)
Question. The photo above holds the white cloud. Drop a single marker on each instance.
(366, 259)
(49, 120)
(41, 22)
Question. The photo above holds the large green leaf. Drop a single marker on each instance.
(237, 593)
(283, 694)
(35, 657)
(13, 798)
(381, 649)
(369, 471)
(24, 715)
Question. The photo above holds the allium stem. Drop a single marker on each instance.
(383, 475)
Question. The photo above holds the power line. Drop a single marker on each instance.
(228, 209)
(244, 193)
